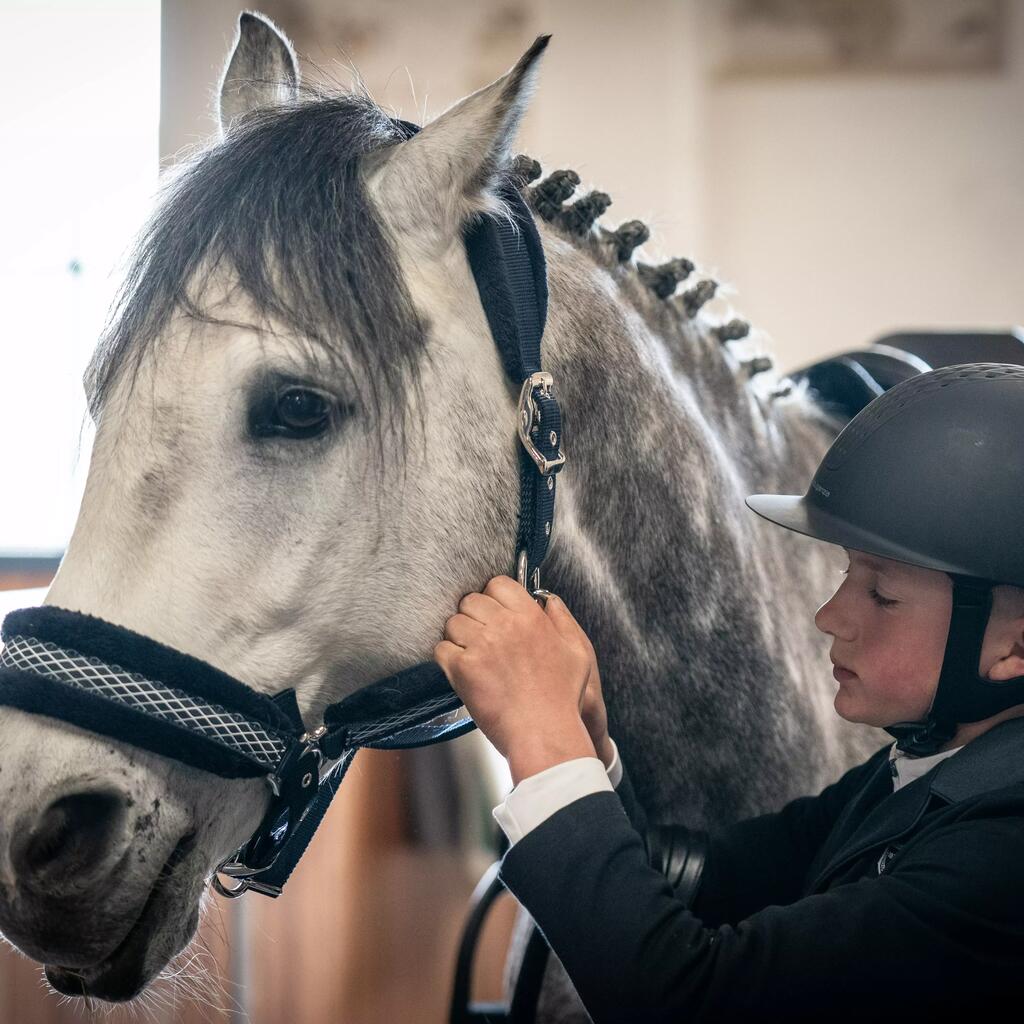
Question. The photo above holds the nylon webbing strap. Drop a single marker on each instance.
(507, 260)
(962, 694)
(271, 880)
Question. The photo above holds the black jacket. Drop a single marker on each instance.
(854, 904)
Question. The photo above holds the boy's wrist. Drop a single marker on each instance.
(537, 750)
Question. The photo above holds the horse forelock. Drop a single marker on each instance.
(278, 208)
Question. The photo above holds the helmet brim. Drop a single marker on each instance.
(795, 512)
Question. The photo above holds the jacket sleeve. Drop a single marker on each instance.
(630, 804)
(949, 916)
(766, 859)
(761, 860)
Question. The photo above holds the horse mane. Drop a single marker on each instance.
(653, 289)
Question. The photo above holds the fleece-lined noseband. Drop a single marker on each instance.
(111, 681)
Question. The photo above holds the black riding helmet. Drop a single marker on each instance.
(932, 473)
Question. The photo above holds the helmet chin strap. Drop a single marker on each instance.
(962, 695)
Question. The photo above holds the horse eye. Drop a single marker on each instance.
(302, 410)
(291, 412)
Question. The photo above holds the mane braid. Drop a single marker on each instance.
(279, 204)
(678, 317)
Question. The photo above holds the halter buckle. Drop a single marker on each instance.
(538, 593)
(529, 420)
(521, 567)
(295, 785)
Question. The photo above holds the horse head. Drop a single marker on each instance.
(305, 453)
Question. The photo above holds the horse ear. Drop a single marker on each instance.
(261, 71)
(441, 176)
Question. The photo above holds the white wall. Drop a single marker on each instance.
(845, 207)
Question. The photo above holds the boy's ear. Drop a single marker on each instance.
(431, 184)
(1008, 618)
(1010, 666)
(261, 71)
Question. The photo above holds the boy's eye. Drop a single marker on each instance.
(884, 602)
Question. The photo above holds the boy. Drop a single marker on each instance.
(901, 886)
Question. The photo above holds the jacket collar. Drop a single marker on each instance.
(877, 816)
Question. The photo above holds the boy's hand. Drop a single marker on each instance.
(523, 672)
(595, 716)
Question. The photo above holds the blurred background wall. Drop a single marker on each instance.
(849, 166)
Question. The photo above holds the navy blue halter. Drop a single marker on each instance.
(114, 682)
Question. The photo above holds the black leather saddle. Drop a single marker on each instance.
(845, 383)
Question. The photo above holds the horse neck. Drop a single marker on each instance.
(653, 549)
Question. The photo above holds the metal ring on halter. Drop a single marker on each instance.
(244, 884)
(521, 566)
(541, 597)
(231, 894)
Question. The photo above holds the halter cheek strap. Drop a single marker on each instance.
(513, 290)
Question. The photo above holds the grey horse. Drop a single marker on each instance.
(306, 454)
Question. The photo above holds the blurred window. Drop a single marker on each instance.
(80, 159)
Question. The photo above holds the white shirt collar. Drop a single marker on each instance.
(905, 767)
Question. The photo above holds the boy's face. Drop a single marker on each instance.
(889, 623)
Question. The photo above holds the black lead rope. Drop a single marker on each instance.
(114, 682)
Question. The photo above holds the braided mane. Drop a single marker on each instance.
(655, 291)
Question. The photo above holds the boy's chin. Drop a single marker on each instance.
(852, 708)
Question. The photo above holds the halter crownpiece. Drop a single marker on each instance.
(114, 682)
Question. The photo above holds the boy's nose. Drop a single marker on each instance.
(829, 620)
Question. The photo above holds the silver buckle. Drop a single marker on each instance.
(528, 421)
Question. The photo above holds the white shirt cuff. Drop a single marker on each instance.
(536, 798)
(615, 768)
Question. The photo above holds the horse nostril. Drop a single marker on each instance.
(71, 836)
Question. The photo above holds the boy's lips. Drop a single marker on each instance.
(840, 673)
